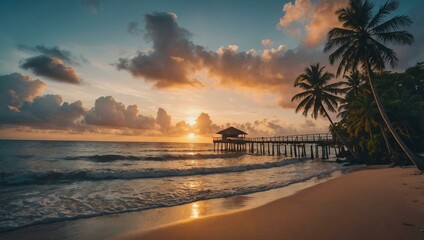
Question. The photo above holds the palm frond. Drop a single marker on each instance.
(396, 37)
(303, 103)
(384, 10)
(393, 24)
(301, 95)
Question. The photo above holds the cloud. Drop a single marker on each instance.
(21, 106)
(310, 21)
(109, 113)
(170, 42)
(297, 12)
(46, 112)
(15, 89)
(51, 67)
(54, 52)
(163, 120)
(264, 128)
(174, 59)
(323, 19)
(133, 28)
(204, 124)
(267, 42)
(93, 6)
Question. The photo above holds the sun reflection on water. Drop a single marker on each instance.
(195, 210)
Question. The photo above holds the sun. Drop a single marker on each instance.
(191, 121)
(191, 136)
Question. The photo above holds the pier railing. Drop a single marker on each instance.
(303, 138)
(291, 145)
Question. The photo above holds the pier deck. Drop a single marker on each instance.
(291, 145)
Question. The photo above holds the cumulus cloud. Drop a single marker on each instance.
(265, 128)
(47, 112)
(93, 6)
(15, 89)
(323, 20)
(297, 12)
(170, 42)
(110, 113)
(174, 59)
(204, 124)
(267, 42)
(163, 119)
(310, 21)
(22, 106)
(51, 67)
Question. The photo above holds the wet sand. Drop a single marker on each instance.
(368, 204)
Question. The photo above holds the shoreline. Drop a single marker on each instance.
(106, 225)
(385, 203)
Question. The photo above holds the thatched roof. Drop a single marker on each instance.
(231, 131)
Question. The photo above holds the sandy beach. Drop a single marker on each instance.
(367, 204)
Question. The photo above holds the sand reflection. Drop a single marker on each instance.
(195, 210)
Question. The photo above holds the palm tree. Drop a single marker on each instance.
(354, 86)
(354, 83)
(319, 95)
(361, 41)
(362, 115)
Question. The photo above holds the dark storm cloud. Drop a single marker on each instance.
(51, 67)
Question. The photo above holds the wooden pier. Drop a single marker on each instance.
(299, 146)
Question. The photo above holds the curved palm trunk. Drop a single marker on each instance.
(349, 148)
(386, 138)
(418, 162)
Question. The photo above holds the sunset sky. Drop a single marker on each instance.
(164, 70)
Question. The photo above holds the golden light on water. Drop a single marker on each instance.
(191, 136)
(195, 210)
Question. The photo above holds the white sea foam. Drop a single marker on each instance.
(54, 181)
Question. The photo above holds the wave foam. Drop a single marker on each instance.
(85, 175)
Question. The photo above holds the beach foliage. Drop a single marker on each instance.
(362, 42)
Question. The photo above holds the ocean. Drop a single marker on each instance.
(52, 181)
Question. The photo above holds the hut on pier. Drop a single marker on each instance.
(231, 133)
(232, 140)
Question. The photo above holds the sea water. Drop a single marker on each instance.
(50, 181)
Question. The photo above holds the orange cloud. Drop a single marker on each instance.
(310, 21)
(297, 12)
(267, 42)
(322, 20)
(175, 59)
(26, 113)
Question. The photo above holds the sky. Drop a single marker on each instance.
(169, 70)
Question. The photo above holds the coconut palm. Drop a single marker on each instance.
(362, 115)
(354, 86)
(318, 94)
(361, 41)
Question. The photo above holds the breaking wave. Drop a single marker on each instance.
(50, 177)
